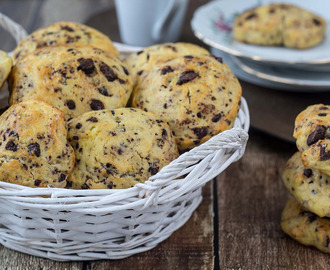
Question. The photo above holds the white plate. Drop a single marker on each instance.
(251, 78)
(212, 23)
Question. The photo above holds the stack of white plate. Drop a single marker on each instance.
(272, 67)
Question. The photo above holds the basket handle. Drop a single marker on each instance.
(13, 28)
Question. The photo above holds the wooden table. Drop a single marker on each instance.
(237, 225)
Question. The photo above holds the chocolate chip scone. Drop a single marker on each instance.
(280, 25)
(34, 150)
(197, 95)
(309, 186)
(306, 227)
(119, 148)
(5, 67)
(312, 131)
(74, 79)
(64, 33)
(160, 53)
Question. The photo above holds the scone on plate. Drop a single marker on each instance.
(74, 79)
(119, 148)
(34, 150)
(305, 227)
(280, 25)
(64, 33)
(157, 54)
(198, 96)
(5, 67)
(310, 187)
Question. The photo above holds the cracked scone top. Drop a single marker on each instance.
(118, 148)
(156, 54)
(33, 146)
(280, 25)
(73, 79)
(64, 33)
(198, 96)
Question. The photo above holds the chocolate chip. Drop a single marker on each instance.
(67, 28)
(322, 114)
(37, 183)
(110, 185)
(308, 173)
(139, 72)
(216, 118)
(200, 132)
(85, 186)
(71, 104)
(107, 71)
(96, 105)
(310, 216)
(125, 70)
(62, 177)
(323, 154)
(76, 138)
(11, 146)
(34, 148)
(86, 65)
(188, 56)
(78, 126)
(68, 184)
(92, 119)
(272, 10)
(164, 134)
(103, 91)
(119, 151)
(316, 22)
(187, 76)
(166, 70)
(251, 16)
(153, 170)
(218, 58)
(317, 134)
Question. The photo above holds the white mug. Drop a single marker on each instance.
(147, 22)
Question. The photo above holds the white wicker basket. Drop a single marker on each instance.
(64, 225)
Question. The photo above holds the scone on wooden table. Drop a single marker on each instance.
(310, 187)
(34, 150)
(6, 64)
(198, 96)
(306, 227)
(119, 148)
(157, 54)
(280, 25)
(74, 79)
(312, 132)
(64, 33)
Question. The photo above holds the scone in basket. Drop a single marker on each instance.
(64, 224)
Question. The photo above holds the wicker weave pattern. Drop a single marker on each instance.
(63, 224)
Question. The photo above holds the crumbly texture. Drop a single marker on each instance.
(74, 79)
(312, 131)
(34, 150)
(310, 187)
(64, 33)
(158, 54)
(5, 67)
(280, 25)
(197, 95)
(119, 148)
(306, 227)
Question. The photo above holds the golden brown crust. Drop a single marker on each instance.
(119, 148)
(73, 79)
(197, 95)
(64, 33)
(280, 25)
(306, 227)
(33, 145)
(309, 186)
(6, 64)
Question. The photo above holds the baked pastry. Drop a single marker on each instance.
(280, 25)
(305, 227)
(73, 79)
(118, 148)
(312, 131)
(64, 33)
(160, 53)
(34, 150)
(310, 187)
(197, 95)
(5, 67)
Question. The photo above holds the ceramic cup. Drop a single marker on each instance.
(147, 22)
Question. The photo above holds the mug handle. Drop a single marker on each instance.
(159, 28)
